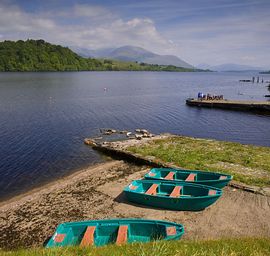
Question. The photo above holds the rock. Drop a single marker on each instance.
(144, 131)
(90, 142)
(138, 136)
(107, 131)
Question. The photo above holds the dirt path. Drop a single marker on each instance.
(95, 193)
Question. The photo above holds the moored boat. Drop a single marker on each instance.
(172, 195)
(118, 231)
(212, 179)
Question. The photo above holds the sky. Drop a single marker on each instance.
(198, 31)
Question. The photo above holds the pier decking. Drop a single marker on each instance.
(257, 106)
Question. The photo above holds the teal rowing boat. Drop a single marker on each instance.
(172, 195)
(212, 179)
(118, 231)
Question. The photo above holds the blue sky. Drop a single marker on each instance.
(198, 31)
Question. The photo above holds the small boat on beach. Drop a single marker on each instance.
(212, 179)
(114, 231)
(179, 196)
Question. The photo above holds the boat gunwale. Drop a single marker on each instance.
(228, 176)
(118, 220)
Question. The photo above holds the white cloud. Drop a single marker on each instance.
(82, 25)
(85, 10)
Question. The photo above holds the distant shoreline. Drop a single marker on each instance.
(76, 71)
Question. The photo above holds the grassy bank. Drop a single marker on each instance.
(248, 164)
(247, 246)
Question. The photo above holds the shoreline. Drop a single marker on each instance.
(30, 194)
(96, 192)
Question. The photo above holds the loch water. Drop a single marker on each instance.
(44, 117)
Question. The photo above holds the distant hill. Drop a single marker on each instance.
(38, 55)
(134, 54)
(87, 53)
(229, 67)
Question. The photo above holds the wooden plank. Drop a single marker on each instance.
(88, 238)
(122, 235)
(191, 177)
(212, 192)
(169, 176)
(176, 191)
(152, 190)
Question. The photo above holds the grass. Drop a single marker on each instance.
(248, 164)
(228, 247)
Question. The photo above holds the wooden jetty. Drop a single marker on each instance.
(257, 106)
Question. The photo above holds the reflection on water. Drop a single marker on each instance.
(44, 117)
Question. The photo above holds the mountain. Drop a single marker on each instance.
(135, 54)
(229, 67)
(87, 53)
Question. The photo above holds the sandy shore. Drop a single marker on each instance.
(96, 192)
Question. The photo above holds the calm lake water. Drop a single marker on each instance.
(44, 117)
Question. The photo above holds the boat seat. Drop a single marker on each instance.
(212, 192)
(191, 177)
(223, 177)
(176, 191)
(88, 238)
(169, 176)
(122, 234)
(152, 190)
(59, 238)
(132, 187)
(171, 231)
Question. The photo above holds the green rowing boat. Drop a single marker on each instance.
(118, 231)
(212, 179)
(172, 195)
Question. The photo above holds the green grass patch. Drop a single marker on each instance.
(248, 164)
(228, 247)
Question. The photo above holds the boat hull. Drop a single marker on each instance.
(217, 180)
(119, 231)
(197, 198)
